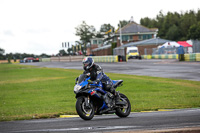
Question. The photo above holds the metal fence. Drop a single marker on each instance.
(174, 50)
(119, 51)
(156, 51)
(196, 46)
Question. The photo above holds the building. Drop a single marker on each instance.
(144, 47)
(95, 43)
(132, 32)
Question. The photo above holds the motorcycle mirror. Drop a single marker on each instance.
(76, 80)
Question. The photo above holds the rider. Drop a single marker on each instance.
(97, 74)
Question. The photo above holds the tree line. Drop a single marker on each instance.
(18, 55)
(175, 26)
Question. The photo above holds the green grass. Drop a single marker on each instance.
(28, 92)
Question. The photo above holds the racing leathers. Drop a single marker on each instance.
(97, 74)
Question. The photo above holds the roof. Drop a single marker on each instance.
(103, 47)
(135, 28)
(171, 44)
(184, 44)
(151, 41)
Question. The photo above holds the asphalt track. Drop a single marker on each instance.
(161, 121)
(135, 122)
(168, 68)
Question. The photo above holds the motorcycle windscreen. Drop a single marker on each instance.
(81, 78)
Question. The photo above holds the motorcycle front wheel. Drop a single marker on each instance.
(85, 112)
(124, 110)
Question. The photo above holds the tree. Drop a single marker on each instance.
(2, 51)
(160, 21)
(194, 31)
(198, 15)
(69, 50)
(107, 28)
(85, 32)
(187, 20)
(123, 23)
(148, 22)
(62, 52)
(43, 55)
(173, 33)
(99, 35)
(174, 26)
(113, 45)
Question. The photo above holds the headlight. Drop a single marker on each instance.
(77, 88)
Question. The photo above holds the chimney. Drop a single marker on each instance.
(131, 20)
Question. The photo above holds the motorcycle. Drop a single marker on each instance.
(93, 100)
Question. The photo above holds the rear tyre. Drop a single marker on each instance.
(84, 112)
(124, 110)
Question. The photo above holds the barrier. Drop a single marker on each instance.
(12, 61)
(192, 57)
(105, 58)
(197, 56)
(66, 58)
(146, 56)
(165, 56)
(187, 57)
(173, 56)
(45, 59)
(80, 58)
(114, 58)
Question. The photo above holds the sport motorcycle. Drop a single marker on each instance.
(92, 99)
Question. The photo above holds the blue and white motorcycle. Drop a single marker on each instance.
(93, 100)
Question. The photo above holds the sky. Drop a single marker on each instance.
(40, 26)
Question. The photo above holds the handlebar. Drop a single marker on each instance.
(90, 82)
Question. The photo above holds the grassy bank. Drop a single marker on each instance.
(28, 92)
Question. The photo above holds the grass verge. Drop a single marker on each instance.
(28, 92)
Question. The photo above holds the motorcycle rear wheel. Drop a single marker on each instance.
(124, 111)
(84, 112)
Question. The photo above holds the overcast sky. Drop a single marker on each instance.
(40, 26)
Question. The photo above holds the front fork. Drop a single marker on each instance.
(87, 102)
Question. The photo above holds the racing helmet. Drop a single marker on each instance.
(87, 63)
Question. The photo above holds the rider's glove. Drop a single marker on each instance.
(96, 82)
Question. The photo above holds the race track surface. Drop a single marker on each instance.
(163, 120)
(168, 68)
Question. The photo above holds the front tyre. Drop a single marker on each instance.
(86, 113)
(124, 110)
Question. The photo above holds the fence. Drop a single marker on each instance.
(170, 50)
(119, 51)
(196, 46)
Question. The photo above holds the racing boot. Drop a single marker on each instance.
(117, 99)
